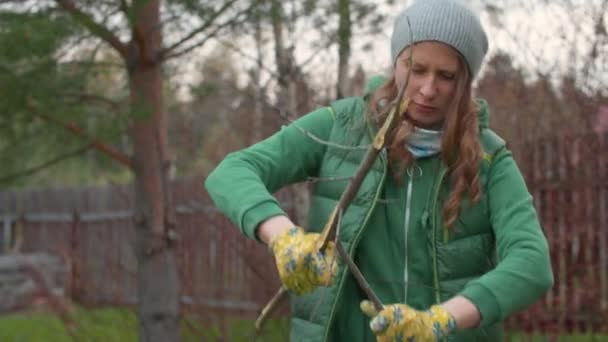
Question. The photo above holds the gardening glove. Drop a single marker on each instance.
(399, 322)
(302, 267)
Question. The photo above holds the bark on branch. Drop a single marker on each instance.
(92, 98)
(44, 165)
(395, 111)
(78, 131)
(329, 231)
(171, 51)
(95, 28)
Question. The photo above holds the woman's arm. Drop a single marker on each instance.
(523, 273)
(242, 184)
(464, 312)
(273, 226)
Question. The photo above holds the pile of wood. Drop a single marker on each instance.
(32, 280)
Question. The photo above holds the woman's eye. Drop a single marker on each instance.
(448, 76)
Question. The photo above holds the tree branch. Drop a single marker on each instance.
(78, 131)
(124, 7)
(168, 51)
(97, 29)
(244, 54)
(354, 269)
(44, 165)
(394, 110)
(115, 106)
(329, 231)
(193, 46)
(173, 54)
(328, 179)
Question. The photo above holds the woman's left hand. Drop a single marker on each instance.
(399, 322)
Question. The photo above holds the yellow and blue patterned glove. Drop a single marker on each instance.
(401, 323)
(302, 267)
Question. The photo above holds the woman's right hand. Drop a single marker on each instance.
(302, 267)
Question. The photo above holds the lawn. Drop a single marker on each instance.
(516, 337)
(112, 324)
(89, 325)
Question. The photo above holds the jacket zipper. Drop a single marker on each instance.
(406, 224)
(434, 230)
(352, 249)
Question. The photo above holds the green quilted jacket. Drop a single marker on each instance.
(497, 255)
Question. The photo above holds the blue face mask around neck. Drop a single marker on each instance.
(424, 142)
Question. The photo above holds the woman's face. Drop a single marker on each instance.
(435, 70)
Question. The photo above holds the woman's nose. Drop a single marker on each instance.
(428, 88)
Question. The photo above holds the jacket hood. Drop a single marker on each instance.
(484, 113)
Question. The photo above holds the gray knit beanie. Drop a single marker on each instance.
(447, 21)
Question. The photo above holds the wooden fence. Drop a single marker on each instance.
(225, 274)
(568, 177)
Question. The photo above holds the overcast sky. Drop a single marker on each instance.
(540, 37)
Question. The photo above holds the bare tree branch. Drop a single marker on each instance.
(94, 27)
(327, 179)
(44, 165)
(326, 143)
(601, 34)
(354, 270)
(244, 54)
(284, 115)
(168, 52)
(200, 43)
(329, 231)
(92, 98)
(124, 7)
(78, 131)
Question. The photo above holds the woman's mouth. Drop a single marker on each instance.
(424, 109)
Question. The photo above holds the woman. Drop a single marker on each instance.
(443, 227)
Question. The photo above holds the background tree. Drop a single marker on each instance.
(45, 84)
(541, 81)
(296, 48)
(83, 77)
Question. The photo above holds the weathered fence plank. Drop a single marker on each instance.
(568, 177)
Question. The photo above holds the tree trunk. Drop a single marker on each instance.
(287, 97)
(158, 282)
(258, 114)
(281, 55)
(344, 34)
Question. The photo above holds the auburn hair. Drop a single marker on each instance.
(460, 147)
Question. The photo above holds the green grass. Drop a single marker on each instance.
(113, 324)
(519, 337)
(89, 325)
(117, 324)
(237, 330)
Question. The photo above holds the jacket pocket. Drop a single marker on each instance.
(473, 219)
(467, 257)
